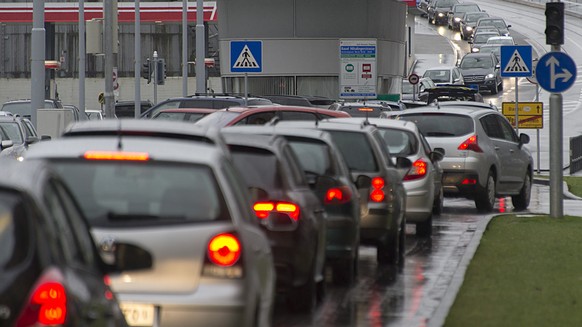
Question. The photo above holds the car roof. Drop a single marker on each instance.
(477, 54)
(474, 104)
(281, 107)
(278, 130)
(469, 111)
(329, 124)
(399, 124)
(186, 110)
(23, 176)
(113, 126)
(262, 141)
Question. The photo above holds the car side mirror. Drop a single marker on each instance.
(470, 42)
(497, 66)
(126, 257)
(45, 137)
(508, 26)
(7, 144)
(523, 139)
(437, 154)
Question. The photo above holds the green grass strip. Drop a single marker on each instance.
(526, 272)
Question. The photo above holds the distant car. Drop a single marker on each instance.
(94, 114)
(501, 40)
(291, 215)
(468, 23)
(77, 114)
(482, 71)
(420, 94)
(497, 22)
(17, 134)
(445, 75)
(438, 11)
(465, 104)
(453, 93)
(361, 109)
(491, 48)
(191, 115)
(52, 274)
(484, 156)
(170, 188)
(126, 109)
(300, 100)
(262, 115)
(210, 101)
(23, 108)
(329, 177)
(456, 14)
(479, 39)
(383, 222)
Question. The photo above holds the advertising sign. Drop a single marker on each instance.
(358, 69)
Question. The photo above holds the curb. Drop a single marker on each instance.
(566, 191)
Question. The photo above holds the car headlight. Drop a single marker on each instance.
(469, 28)
(474, 49)
(457, 19)
(489, 76)
(440, 14)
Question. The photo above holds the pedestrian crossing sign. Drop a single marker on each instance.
(516, 61)
(246, 56)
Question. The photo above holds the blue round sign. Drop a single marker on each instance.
(555, 72)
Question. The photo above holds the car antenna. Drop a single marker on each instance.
(119, 143)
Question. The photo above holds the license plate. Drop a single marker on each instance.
(474, 86)
(138, 314)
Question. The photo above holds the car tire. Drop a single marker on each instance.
(344, 271)
(521, 201)
(485, 196)
(424, 229)
(437, 207)
(303, 298)
(494, 89)
(500, 88)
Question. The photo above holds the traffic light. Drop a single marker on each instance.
(554, 23)
(146, 71)
(161, 72)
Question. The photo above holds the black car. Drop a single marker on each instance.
(438, 11)
(279, 190)
(482, 71)
(469, 22)
(51, 271)
(379, 176)
(126, 109)
(329, 177)
(456, 14)
(300, 100)
(211, 101)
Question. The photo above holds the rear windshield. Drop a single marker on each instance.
(476, 62)
(441, 125)
(218, 119)
(11, 131)
(356, 150)
(259, 168)
(466, 8)
(400, 143)
(474, 17)
(446, 3)
(14, 233)
(363, 111)
(180, 116)
(115, 193)
(438, 76)
(314, 156)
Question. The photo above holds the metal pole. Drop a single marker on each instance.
(137, 56)
(184, 48)
(155, 77)
(200, 48)
(82, 56)
(246, 89)
(538, 130)
(37, 60)
(108, 45)
(556, 149)
(516, 109)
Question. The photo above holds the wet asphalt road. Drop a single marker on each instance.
(408, 296)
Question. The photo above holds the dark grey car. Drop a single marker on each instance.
(482, 71)
(456, 14)
(439, 10)
(468, 23)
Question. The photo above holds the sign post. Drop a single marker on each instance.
(516, 61)
(246, 57)
(413, 79)
(358, 69)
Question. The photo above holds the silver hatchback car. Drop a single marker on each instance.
(484, 157)
(178, 196)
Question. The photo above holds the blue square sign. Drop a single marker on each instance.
(246, 56)
(516, 61)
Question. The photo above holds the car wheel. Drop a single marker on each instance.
(424, 229)
(521, 201)
(303, 298)
(494, 89)
(344, 272)
(485, 197)
(402, 242)
(437, 207)
(500, 88)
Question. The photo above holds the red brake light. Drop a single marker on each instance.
(377, 194)
(116, 155)
(48, 303)
(469, 181)
(224, 250)
(365, 109)
(337, 195)
(470, 144)
(418, 170)
(263, 209)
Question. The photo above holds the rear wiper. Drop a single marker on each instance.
(439, 134)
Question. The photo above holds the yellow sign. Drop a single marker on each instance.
(527, 122)
(524, 108)
(101, 98)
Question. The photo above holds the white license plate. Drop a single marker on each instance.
(137, 314)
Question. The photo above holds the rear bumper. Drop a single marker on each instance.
(376, 225)
(460, 183)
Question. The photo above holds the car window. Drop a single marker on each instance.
(128, 193)
(240, 188)
(441, 125)
(297, 115)
(472, 18)
(30, 131)
(259, 168)
(218, 119)
(508, 131)
(15, 232)
(314, 156)
(259, 102)
(11, 131)
(260, 118)
(470, 62)
(295, 169)
(438, 76)
(176, 116)
(356, 150)
(425, 146)
(222, 104)
(466, 8)
(400, 143)
(196, 103)
(363, 110)
(492, 127)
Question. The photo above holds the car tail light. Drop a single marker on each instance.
(377, 193)
(223, 257)
(418, 170)
(116, 155)
(470, 144)
(264, 209)
(338, 195)
(469, 181)
(48, 302)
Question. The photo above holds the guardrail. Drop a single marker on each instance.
(575, 154)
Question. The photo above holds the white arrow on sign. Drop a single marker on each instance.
(565, 74)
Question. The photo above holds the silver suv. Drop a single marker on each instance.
(484, 157)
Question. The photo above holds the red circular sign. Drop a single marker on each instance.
(413, 79)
